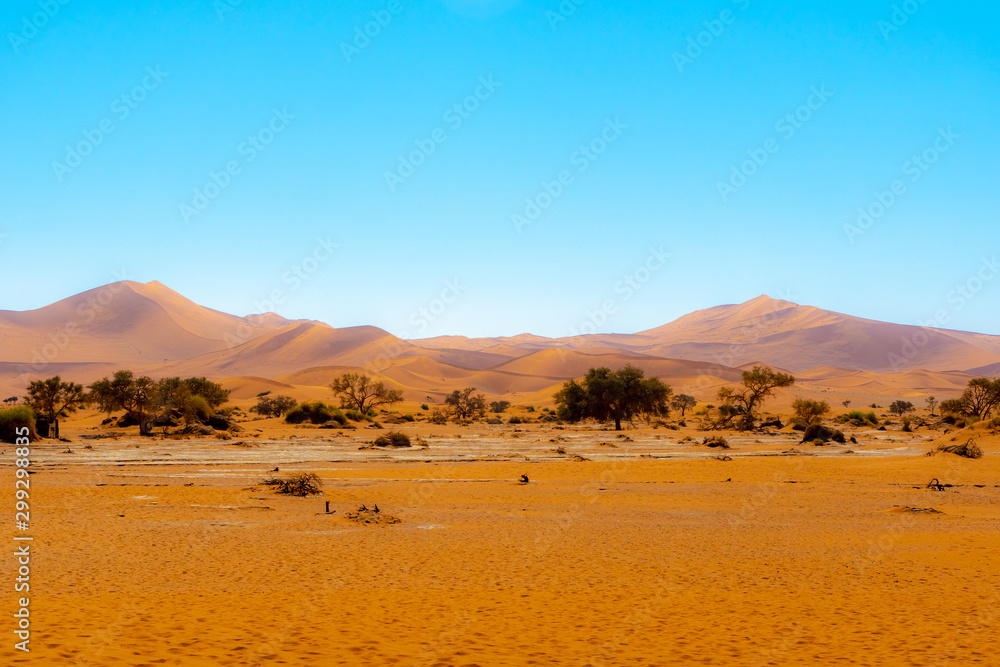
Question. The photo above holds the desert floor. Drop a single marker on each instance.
(639, 550)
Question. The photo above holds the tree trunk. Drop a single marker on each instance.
(618, 423)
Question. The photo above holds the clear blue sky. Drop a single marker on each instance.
(199, 79)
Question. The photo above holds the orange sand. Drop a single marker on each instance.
(620, 560)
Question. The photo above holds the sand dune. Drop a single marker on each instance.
(153, 330)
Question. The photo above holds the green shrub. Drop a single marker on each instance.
(408, 418)
(531, 408)
(315, 412)
(393, 439)
(354, 415)
(858, 418)
(17, 418)
(425, 407)
(516, 420)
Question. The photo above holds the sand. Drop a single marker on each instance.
(652, 552)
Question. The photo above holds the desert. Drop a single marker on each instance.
(473, 333)
(510, 537)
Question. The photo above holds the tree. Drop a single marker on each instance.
(684, 402)
(901, 408)
(810, 412)
(187, 398)
(273, 407)
(931, 404)
(607, 395)
(981, 397)
(358, 391)
(499, 407)
(55, 399)
(210, 391)
(136, 396)
(953, 406)
(466, 403)
(10, 400)
(847, 403)
(758, 383)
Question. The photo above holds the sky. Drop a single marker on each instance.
(494, 167)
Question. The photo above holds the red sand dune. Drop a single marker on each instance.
(153, 330)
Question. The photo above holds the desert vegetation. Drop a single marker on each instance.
(362, 393)
(758, 383)
(616, 396)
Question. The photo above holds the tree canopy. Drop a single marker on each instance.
(617, 396)
(359, 391)
(55, 399)
(758, 383)
(466, 403)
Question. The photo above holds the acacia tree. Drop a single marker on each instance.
(358, 391)
(136, 396)
(758, 384)
(931, 404)
(607, 395)
(981, 397)
(684, 402)
(273, 407)
(194, 398)
(901, 408)
(55, 399)
(466, 403)
(808, 411)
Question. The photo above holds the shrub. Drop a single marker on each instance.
(516, 420)
(494, 421)
(858, 418)
(425, 407)
(408, 418)
(393, 439)
(969, 450)
(13, 419)
(716, 441)
(354, 415)
(303, 484)
(316, 412)
(438, 416)
(531, 408)
(199, 407)
(907, 422)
